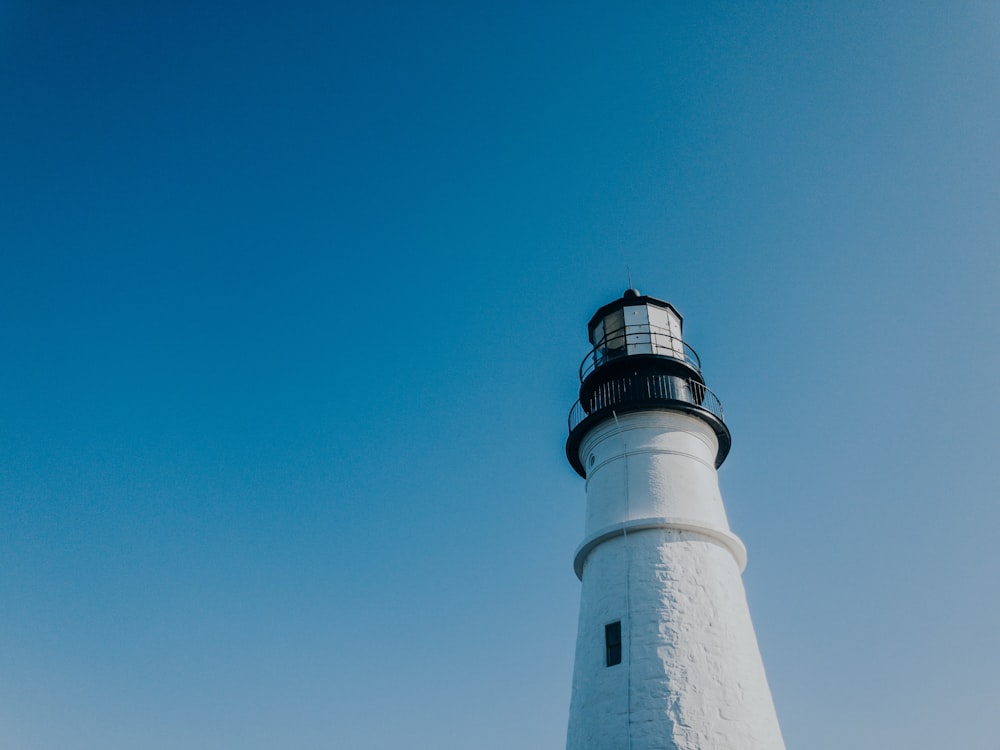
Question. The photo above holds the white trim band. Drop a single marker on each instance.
(726, 539)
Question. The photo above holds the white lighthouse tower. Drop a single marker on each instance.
(666, 656)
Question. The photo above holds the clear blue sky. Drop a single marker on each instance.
(292, 298)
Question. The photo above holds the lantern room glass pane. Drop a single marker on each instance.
(614, 335)
(637, 330)
(597, 334)
(665, 330)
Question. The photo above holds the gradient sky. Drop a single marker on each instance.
(292, 298)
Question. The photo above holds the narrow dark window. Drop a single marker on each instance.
(613, 643)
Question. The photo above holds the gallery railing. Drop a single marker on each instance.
(638, 339)
(636, 391)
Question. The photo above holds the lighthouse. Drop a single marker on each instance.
(666, 656)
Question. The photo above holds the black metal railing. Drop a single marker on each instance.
(638, 339)
(635, 391)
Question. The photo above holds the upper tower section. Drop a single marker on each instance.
(636, 328)
(639, 362)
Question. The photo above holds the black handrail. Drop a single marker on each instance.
(645, 390)
(659, 341)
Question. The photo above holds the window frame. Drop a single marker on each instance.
(613, 643)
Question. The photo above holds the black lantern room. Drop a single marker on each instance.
(639, 362)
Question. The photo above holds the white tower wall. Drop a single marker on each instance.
(658, 556)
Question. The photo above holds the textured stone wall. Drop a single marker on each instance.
(691, 676)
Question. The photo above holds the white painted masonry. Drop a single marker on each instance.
(658, 555)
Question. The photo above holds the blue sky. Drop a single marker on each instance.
(291, 306)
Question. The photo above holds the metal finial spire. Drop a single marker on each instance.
(631, 291)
